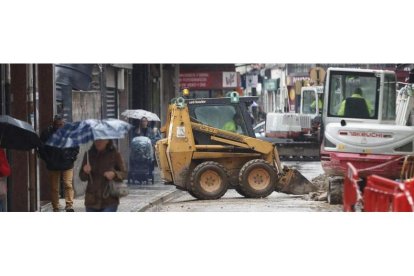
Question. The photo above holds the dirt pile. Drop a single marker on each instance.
(321, 182)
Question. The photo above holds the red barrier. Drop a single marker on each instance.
(385, 195)
(380, 194)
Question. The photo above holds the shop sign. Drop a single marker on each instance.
(209, 80)
(229, 79)
(195, 80)
(251, 81)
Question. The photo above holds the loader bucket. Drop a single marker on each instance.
(293, 182)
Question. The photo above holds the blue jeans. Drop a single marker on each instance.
(112, 208)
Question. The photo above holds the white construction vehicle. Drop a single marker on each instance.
(295, 134)
(311, 104)
(284, 122)
(405, 105)
(309, 100)
(363, 129)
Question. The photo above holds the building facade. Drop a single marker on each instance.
(34, 93)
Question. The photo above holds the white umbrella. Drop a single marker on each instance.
(139, 114)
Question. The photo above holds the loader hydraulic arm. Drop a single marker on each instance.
(234, 139)
(265, 148)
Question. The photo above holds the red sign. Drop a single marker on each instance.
(204, 80)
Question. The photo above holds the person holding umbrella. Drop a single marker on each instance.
(153, 134)
(59, 162)
(17, 135)
(102, 163)
(143, 129)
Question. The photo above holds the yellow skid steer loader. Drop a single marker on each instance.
(199, 156)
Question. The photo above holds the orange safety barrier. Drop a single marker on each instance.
(380, 194)
(386, 195)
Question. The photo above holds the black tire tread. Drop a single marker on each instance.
(196, 192)
(246, 190)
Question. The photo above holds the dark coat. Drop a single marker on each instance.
(56, 159)
(100, 162)
(148, 132)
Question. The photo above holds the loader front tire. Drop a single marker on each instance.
(257, 179)
(209, 180)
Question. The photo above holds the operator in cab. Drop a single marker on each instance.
(234, 125)
(313, 105)
(357, 94)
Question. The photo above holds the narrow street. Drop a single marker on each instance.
(233, 202)
(200, 138)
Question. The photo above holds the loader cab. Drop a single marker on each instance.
(217, 112)
(359, 95)
(311, 100)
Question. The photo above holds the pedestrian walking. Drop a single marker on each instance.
(153, 134)
(101, 164)
(59, 162)
(143, 129)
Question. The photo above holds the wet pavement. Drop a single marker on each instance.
(233, 202)
(140, 198)
(166, 198)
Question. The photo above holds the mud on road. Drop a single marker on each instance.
(276, 202)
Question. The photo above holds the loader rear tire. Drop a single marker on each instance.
(209, 180)
(257, 179)
(239, 190)
(191, 193)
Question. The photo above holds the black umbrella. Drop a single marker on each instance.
(16, 134)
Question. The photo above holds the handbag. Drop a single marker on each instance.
(116, 189)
